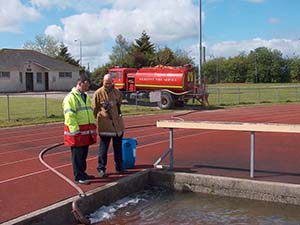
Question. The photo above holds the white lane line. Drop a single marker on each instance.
(96, 157)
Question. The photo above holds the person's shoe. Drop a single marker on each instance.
(102, 174)
(89, 177)
(84, 182)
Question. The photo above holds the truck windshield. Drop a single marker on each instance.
(113, 75)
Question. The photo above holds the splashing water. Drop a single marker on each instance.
(157, 205)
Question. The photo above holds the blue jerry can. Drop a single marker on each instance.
(129, 152)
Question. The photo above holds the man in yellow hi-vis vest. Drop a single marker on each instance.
(79, 128)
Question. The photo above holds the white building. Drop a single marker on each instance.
(27, 70)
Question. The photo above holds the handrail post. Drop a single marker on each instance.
(252, 154)
(171, 148)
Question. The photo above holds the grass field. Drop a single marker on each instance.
(245, 94)
(35, 110)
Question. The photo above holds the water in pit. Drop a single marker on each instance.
(162, 206)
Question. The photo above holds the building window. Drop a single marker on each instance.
(65, 74)
(21, 77)
(39, 78)
(4, 75)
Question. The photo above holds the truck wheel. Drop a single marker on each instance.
(166, 101)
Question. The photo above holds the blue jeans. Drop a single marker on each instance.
(79, 155)
(103, 149)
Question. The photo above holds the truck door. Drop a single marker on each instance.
(190, 80)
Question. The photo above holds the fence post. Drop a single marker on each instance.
(239, 96)
(45, 106)
(278, 96)
(218, 96)
(136, 100)
(8, 112)
(258, 95)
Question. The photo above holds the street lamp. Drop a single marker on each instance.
(80, 49)
(200, 42)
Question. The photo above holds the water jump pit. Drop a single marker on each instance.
(60, 213)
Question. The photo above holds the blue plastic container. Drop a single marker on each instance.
(129, 152)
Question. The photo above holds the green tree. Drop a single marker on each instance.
(181, 57)
(279, 69)
(294, 68)
(44, 44)
(97, 74)
(64, 55)
(120, 55)
(214, 70)
(267, 66)
(209, 71)
(143, 51)
(236, 68)
(164, 56)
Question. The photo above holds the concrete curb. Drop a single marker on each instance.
(60, 213)
(227, 186)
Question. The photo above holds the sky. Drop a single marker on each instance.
(229, 27)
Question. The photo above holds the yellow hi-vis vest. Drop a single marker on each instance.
(80, 124)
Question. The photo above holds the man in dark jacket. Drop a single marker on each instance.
(106, 105)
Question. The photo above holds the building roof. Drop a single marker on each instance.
(16, 58)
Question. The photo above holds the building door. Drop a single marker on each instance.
(29, 81)
(46, 81)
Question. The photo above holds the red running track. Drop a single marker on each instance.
(26, 185)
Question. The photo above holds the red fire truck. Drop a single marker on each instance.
(166, 85)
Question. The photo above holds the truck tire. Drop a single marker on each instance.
(166, 101)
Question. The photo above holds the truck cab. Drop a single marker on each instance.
(120, 79)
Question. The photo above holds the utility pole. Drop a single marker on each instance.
(80, 51)
(200, 42)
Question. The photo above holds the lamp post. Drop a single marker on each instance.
(200, 42)
(80, 50)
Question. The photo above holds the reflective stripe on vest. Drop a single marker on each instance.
(79, 108)
(80, 132)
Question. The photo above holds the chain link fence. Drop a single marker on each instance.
(29, 106)
(253, 95)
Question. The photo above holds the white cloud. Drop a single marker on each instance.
(55, 31)
(167, 20)
(287, 47)
(13, 13)
(89, 28)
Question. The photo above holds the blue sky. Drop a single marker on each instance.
(229, 26)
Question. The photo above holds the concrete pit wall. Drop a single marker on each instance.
(60, 213)
(227, 186)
